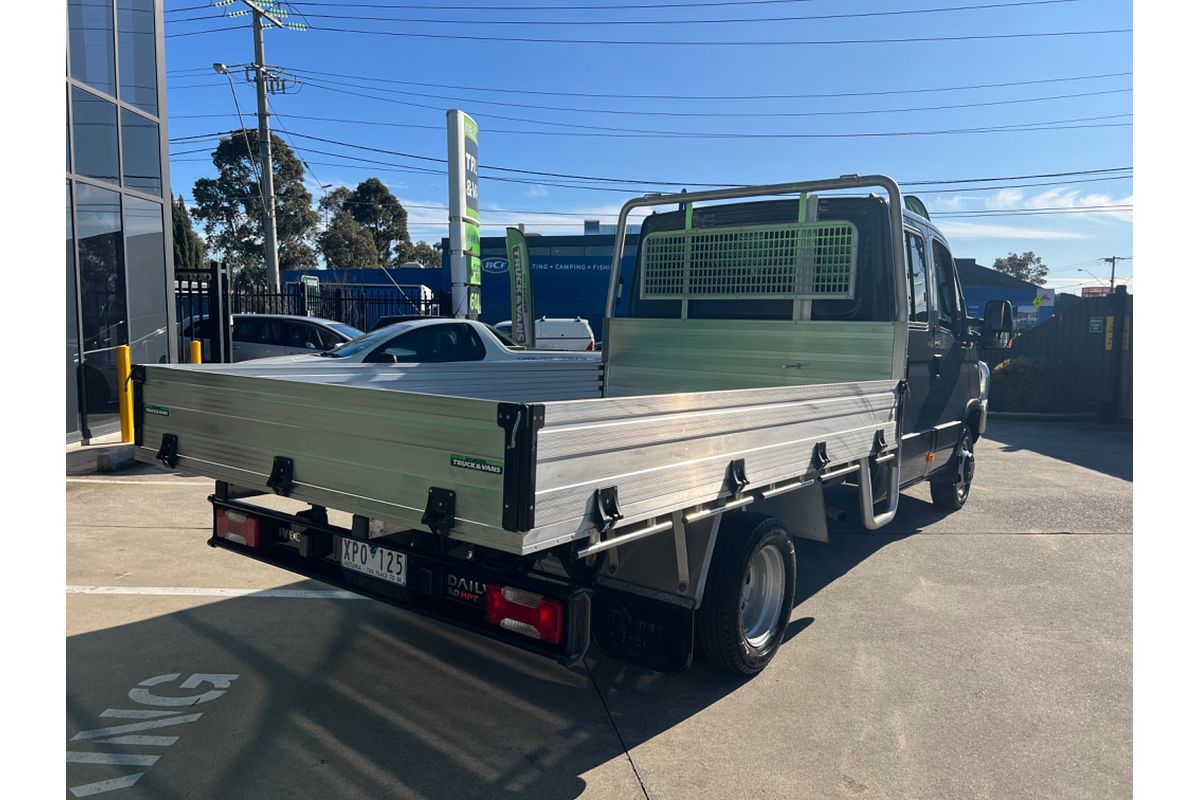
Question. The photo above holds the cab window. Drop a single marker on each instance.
(918, 304)
(949, 308)
(430, 345)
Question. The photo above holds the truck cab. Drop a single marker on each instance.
(946, 408)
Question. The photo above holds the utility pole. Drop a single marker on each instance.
(1112, 275)
(270, 245)
(272, 12)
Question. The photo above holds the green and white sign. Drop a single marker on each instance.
(462, 143)
(520, 288)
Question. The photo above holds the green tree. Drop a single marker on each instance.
(230, 205)
(334, 201)
(375, 208)
(345, 243)
(1027, 266)
(425, 254)
(189, 247)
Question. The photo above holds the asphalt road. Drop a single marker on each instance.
(984, 654)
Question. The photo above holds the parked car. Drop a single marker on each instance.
(430, 341)
(267, 335)
(558, 333)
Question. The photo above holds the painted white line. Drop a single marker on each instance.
(161, 482)
(99, 787)
(154, 741)
(124, 759)
(199, 591)
(136, 713)
(113, 730)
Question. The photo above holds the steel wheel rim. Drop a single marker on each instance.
(966, 469)
(762, 596)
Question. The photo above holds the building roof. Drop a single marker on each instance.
(977, 276)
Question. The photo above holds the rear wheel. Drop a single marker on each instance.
(748, 599)
(951, 489)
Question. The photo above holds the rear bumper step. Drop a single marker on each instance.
(443, 588)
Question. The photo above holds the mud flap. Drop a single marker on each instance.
(641, 630)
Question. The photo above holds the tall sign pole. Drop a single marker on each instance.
(462, 143)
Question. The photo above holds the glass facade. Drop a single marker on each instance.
(119, 274)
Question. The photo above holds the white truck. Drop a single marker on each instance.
(760, 351)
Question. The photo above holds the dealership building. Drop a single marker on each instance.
(118, 234)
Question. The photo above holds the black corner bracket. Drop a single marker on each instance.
(168, 451)
(280, 479)
(439, 510)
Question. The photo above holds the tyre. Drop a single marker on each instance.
(951, 488)
(748, 598)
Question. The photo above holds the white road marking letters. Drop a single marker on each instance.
(151, 718)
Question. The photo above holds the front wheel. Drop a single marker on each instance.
(748, 600)
(951, 490)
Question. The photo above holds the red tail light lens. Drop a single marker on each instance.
(237, 527)
(524, 612)
(591, 346)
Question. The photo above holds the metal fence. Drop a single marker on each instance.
(204, 303)
(1091, 347)
(361, 307)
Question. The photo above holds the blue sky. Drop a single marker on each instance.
(390, 103)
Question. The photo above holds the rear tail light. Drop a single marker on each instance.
(237, 527)
(591, 346)
(524, 612)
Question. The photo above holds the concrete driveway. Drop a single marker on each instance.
(984, 654)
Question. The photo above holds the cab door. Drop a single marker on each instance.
(955, 373)
(916, 429)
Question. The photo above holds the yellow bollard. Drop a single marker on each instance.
(124, 393)
(195, 351)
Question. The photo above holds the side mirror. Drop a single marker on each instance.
(997, 325)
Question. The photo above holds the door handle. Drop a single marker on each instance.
(935, 363)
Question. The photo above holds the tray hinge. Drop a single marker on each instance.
(608, 507)
(280, 479)
(820, 457)
(439, 510)
(735, 476)
(168, 451)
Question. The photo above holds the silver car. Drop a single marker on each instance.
(267, 335)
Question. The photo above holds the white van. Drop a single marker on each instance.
(558, 333)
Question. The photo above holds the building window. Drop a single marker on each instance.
(101, 267)
(72, 327)
(136, 44)
(139, 145)
(91, 43)
(146, 277)
(94, 132)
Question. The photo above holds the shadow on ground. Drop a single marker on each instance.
(1095, 446)
(357, 699)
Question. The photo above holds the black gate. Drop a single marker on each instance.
(1090, 345)
(202, 312)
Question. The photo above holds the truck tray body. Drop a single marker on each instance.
(523, 456)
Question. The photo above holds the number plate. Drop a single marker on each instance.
(378, 562)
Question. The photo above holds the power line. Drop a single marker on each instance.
(745, 97)
(591, 130)
(678, 21)
(642, 181)
(694, 43)
(750, 114)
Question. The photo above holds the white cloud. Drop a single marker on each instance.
(986, 230)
